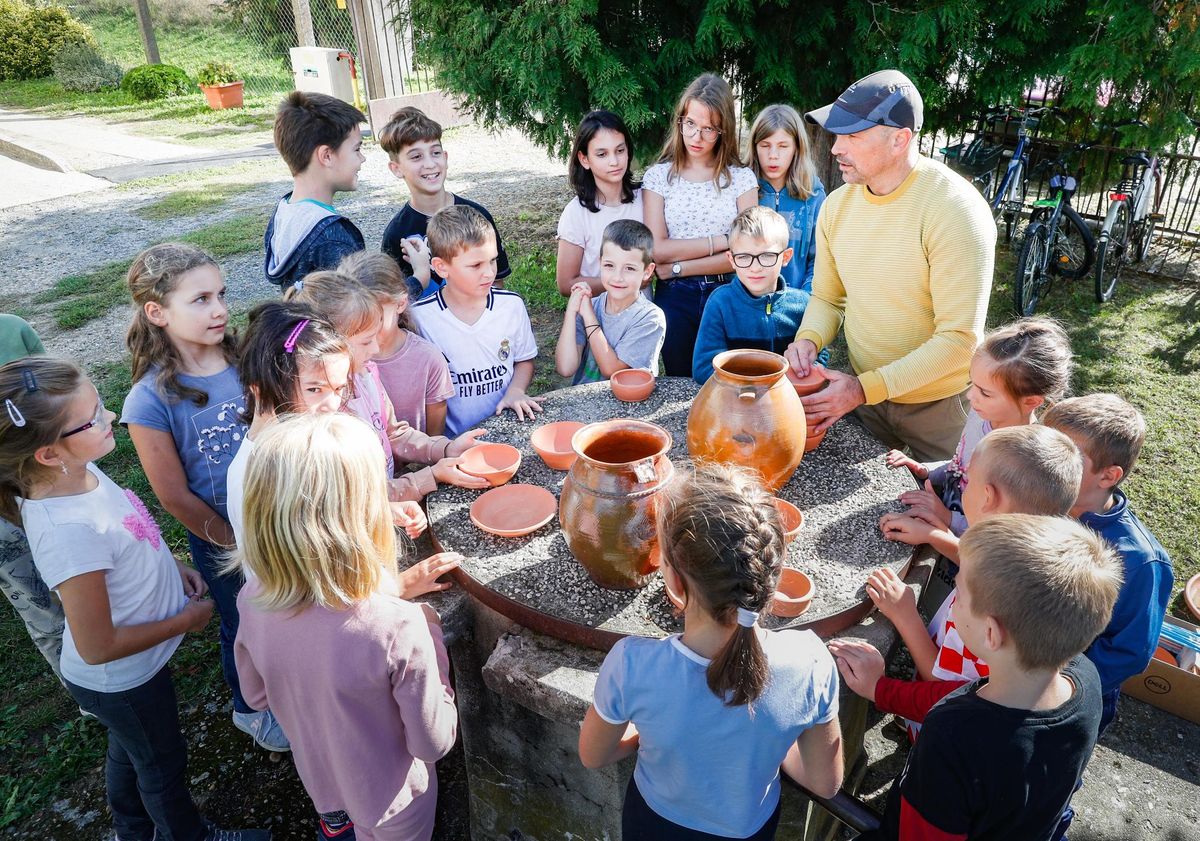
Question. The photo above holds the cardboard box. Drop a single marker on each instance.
(1167, 687)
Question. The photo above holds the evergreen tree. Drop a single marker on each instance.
(541, 64)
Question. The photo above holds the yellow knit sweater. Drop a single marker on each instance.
(910, 274)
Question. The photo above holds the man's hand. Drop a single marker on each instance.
(520, 402)
(860, 665)
(801, 355)
(843, 395)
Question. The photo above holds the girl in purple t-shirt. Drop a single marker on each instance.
(413, 371)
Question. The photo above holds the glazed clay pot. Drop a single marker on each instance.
(607, 505)
(748, 414)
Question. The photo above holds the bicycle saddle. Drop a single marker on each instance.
(1139, 159)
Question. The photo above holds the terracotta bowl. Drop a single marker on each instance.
(514, 510)
(791, 517)
(812, 440)
(553, 443)
(814, 382)
(1167, 657)
(794, 595)
(1191, 595)
(632, 385)
(495, 462)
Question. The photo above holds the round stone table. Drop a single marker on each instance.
(843, 487)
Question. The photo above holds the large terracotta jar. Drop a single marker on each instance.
(749, 414)
(607, 504)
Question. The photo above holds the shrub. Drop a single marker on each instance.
(78, 67)
(31, 36)
(155, 81)
(217, 73)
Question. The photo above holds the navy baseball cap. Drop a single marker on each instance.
(885, 98)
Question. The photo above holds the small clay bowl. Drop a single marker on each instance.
(1191, 595)
(1165, 656)
(812, 440)
(495, 462)
(553, 443)
(514, 510)
(792, 519)
(632, 385)
(814, 382)
(794, 594)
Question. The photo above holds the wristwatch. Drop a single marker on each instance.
(676, 268)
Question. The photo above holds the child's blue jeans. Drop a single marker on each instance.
(682, 301)
(146, 767)
(224, 589)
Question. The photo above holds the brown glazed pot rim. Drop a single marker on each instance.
(591, 432)
(762, 355)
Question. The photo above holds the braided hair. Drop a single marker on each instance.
(719, 529)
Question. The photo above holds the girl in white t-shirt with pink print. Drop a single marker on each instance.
(127, 602)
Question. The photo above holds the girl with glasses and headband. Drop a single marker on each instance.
(127, 602)
(690, 198)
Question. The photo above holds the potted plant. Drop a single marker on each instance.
(221, 85)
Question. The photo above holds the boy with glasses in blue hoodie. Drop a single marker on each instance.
(758, 310)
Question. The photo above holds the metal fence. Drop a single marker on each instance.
(1176, 249)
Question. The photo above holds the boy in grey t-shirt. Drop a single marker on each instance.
(622, 329)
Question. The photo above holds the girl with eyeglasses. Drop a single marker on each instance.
(127, 602)
(183, 414)
(689, 201)
(758, 309)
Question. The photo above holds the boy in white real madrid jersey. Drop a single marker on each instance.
(484, 333)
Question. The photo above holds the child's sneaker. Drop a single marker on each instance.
(238, 834)
(264, 728)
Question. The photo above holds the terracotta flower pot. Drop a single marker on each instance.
(223, 96)
(495, 462)
(607, 505)
(748, 414)
(791, 518)
(794, 594)
(814, 382)
(631, 385)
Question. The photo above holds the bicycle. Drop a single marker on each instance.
(1057, 240)
(1132, 217)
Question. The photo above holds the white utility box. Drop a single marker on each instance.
(318, 70)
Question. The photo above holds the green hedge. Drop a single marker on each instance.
(31, 36)
(155, 81)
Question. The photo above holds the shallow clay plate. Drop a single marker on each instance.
(1191, 595)
(514, 510)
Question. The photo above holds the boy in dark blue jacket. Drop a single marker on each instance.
(758, 309)
(320, 139)
(1109, 432)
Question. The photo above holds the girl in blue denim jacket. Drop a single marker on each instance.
(788, 184)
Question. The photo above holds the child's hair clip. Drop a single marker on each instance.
(31, 383)
(14, 414)
(289, 344)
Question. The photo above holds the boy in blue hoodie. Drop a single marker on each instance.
(758, 309)
(320, 139)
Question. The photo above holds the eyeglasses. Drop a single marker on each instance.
(766, 259)
(691, 129)
(97, 420)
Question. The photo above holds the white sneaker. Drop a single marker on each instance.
(264, 728)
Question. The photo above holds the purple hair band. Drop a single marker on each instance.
(289, 344)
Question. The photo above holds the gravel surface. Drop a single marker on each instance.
(41, 243)
(843, 487)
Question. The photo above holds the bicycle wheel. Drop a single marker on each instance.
(1141, 248)
(1075, 248)
(1014, 203)
(1030, 282)
(1112, 253)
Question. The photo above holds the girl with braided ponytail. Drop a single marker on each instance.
(713, 713)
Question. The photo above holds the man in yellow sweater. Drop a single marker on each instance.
(904, 262)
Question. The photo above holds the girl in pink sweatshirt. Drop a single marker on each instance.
(357, 676)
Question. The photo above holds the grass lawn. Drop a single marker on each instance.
(1145, 345)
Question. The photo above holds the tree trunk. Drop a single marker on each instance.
(302, 14)
(146, 26)
(827, 168)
